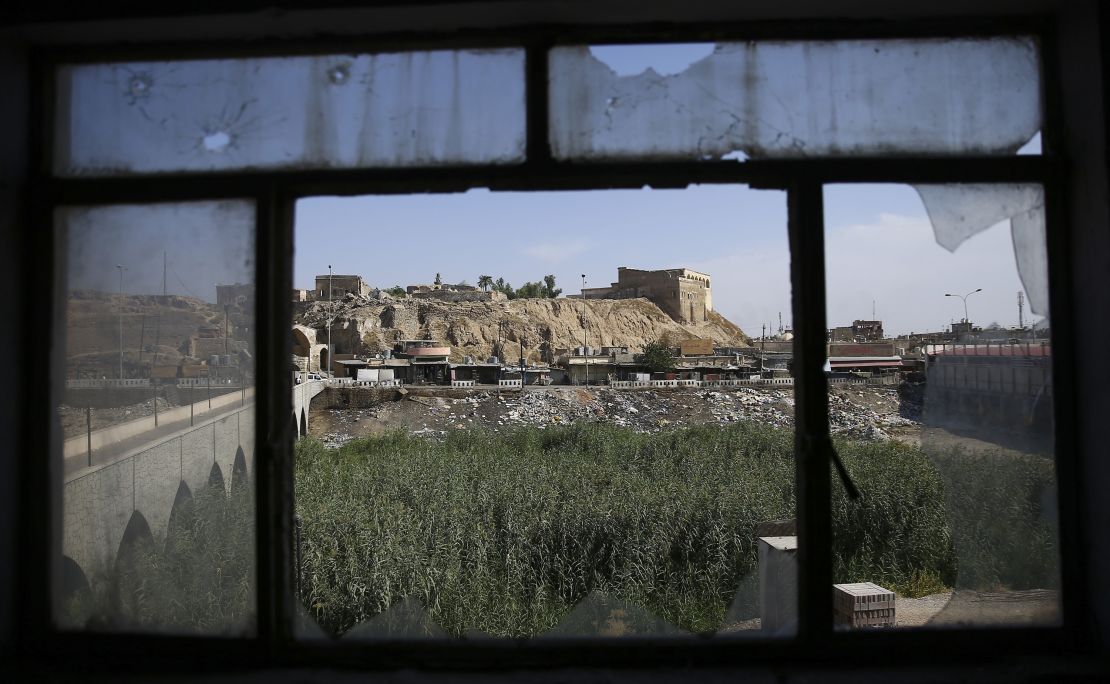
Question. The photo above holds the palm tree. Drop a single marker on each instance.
(485, 282)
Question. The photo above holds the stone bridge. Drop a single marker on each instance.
(134, 494)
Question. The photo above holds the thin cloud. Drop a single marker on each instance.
(555, 252)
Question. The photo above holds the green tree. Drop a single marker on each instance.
(485, 282)
(505, 288)
(397, 291)
(530, 291)
(657, 357)
(550, 291)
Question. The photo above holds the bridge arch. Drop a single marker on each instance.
(132, 563)
(181, 513)
(136, 536)
(239, 477)
(304, 424)
(216, 476)
(73, 578)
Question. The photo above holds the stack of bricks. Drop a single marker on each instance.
(863, 604)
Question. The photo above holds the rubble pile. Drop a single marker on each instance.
(851, 413)
(868, 413)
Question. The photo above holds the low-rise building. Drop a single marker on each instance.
(428, 361)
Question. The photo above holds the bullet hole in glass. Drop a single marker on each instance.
(339, 74)
(216, 141)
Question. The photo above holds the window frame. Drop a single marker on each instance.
(275, 194)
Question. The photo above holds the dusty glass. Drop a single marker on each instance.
(488, 454)
(771, 99)
(155, 406)
(955, 460)
(331, 111)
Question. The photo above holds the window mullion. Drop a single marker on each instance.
(274, 472)
(811, 437)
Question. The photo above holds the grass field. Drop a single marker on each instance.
(503, 533)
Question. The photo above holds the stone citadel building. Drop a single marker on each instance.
(684, 294)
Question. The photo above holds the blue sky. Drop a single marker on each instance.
(879, 243)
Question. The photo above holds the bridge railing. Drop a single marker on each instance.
(75, 447)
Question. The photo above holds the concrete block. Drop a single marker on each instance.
(778, 584)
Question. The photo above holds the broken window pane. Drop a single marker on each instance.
(961, 419)
(799, 99)
(156, 414)
(333, 111)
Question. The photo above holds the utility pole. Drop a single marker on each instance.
(119, 307)
(1021, 306)
(157, 341)
(762, 348)
(584, 352)
(163, 273)
(142, 339)
(227, 308)
(330, 319)
(780, 322)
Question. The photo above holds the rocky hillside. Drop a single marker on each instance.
(367, 325)
(93, 329)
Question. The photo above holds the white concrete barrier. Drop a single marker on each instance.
(462, 383)
(510, 383)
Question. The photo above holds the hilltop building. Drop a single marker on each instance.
(684, 294)
(340, 285)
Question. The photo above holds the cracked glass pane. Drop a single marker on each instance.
(797, 99)
(155, 401)
(961, 413)
(333, 111)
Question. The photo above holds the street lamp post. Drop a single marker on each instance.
(119, 308)
(584, 352)
(331, 362)
(963, 298)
